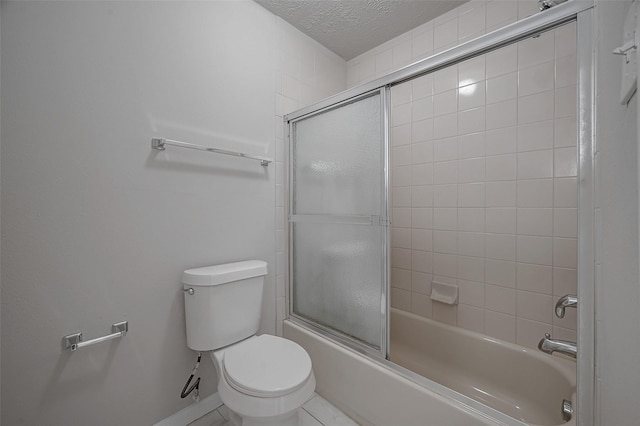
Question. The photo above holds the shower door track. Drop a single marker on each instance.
(511, 33)
(574, 10)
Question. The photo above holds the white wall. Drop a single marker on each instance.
(97, 227)
(617, 288)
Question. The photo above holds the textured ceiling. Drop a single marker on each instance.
(351, 27)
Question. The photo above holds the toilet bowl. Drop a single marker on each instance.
(263, 380)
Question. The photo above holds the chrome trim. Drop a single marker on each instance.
(586, 42)
(524, 28)
(385, 302)
(159, 144)
(75, 341)
(567, 410)
(548, 4)
(549, 346)
(567, 301)
(338, 219)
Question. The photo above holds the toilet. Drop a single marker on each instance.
(263, 380)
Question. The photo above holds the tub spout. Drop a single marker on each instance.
(568, 301)
(549, 345)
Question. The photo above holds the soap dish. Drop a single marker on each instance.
(444, 292)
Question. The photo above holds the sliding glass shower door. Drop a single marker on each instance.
(338, 219)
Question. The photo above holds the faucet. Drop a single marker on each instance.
(549, 345)
(568, 301)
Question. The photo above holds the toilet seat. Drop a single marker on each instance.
(266, 366)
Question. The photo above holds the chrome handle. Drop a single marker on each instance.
(189, 290)
(568, 301)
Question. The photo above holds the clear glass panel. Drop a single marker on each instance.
(338, 278)
(337, 160)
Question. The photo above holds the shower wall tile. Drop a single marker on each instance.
(471, 293)
(471, 318)
(500, 299)
(491, 174)
(401, 278)
(471, 244)
(500, 220)
(471, 145)
(499, 272)
(501, 326)
(471, 121)
(535, 278)
(565, 132)
(502, 88)
(401, 299)
(502, 61)
(421, 304)
(500, 194)
(536, 79)
(501, 167)
(500, 13)
(501, 141)
(536, 193)
(502, 114)
(472, 20)
(536, 136)
(564, 281)
(421, 282)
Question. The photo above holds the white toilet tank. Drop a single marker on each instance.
(225, 305)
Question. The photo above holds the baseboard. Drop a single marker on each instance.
(192, 412)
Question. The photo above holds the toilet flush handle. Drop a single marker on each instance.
(189, 290)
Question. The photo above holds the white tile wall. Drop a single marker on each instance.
(484, 179)
(306, 72)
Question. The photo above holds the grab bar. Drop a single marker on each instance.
(159, 143)
(74, 341)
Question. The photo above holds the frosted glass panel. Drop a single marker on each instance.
(338, 279)
(338, 162)
(338, 249)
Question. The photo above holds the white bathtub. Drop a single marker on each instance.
(523, 383)
(521, 386)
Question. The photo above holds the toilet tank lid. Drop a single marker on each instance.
(225, 273)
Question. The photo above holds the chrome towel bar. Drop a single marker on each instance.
(159, 143)
(75, 342)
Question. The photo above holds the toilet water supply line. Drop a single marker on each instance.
(195, 386)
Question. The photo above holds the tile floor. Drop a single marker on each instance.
(315, 412)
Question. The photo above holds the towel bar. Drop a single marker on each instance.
(159, 144)
(75, 342)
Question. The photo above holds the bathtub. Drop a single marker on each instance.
(523, 383)
(471, 380)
